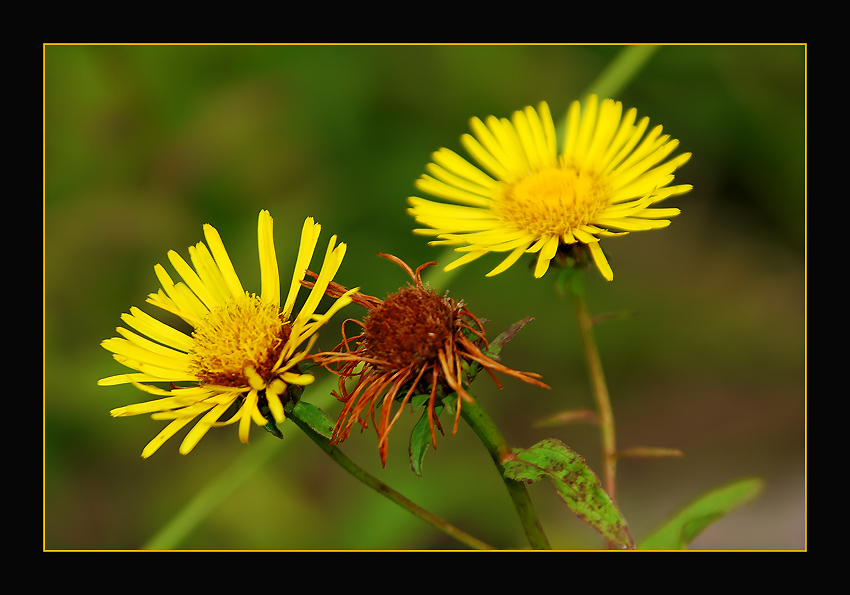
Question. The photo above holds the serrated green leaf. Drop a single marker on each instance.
(319, 421)
(683, 528)
(576, 484)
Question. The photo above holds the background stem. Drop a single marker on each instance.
(619, 73)
(212, 496)
(597, 378)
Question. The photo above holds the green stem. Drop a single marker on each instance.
(597, 377)
(386, 491)
(214, 493)
(212, 496)
(500, 452)
(621, 70)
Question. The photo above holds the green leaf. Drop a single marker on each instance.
(500, 341)
(421, 439)
(420, 436)
(576, 484)
(683, 528)
(319, 421)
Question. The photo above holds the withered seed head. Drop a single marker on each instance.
(414, 342)
(409, 327)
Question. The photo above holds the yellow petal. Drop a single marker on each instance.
(309, 237)
(189, 307)
(176, 360)
(506, 263)
(454, 190)
(483, 157)
(150, 345)
(625, 132)
(156, 405)
(222, 261)
(488, 141)
(246, 414)
(192, 280)
(465, 259)
(201, 428)
(459, 166)
(601, 261)
(606, 127)
(330, 266)
(635, 133)
(547, 253)
(275, 406)
(270, 278)
(164, 435)
(209, 273)
(586, 129)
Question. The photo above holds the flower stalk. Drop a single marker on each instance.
(597, 378)
(497, 446)
(383, 489)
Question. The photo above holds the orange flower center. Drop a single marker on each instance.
(243, 338)
(409, 327)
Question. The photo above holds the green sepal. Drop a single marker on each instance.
(271, 426)
(576, 484)
(290, 397)
(272, 429)
(679, 531)
(572, 259)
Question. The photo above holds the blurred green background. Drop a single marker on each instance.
(144, 144)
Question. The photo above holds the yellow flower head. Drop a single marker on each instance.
(528, 198)
(244, 351)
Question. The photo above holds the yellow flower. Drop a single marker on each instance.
(244, 351)
(528, 198)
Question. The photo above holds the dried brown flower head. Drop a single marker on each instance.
(412, 343)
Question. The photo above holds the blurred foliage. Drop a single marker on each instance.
(144, 144)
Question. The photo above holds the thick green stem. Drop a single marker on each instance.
(386, 491)
(500, 452)
(597, 377)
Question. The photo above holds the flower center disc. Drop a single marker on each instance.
(552, 201)
(245, 332)
(409, 327)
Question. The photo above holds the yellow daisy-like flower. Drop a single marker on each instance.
(528, 198)
(244, 351)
